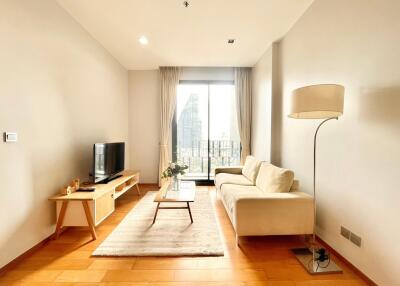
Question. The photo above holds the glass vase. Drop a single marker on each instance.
(175, 183)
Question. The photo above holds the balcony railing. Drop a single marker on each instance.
(197, 156)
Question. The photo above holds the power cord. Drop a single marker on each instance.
(321, 256)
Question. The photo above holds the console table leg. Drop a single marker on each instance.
(190, 213)
(138, 190)
(60, 219)
(155, 215)
(89, 219)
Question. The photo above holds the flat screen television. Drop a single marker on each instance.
(108, 161)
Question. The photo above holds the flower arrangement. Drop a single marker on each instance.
(173, 170)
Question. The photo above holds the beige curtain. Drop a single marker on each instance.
(169, 80)
(243, 108)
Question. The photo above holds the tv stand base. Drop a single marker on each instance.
(91, 208)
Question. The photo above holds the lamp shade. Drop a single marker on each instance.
(317, 101)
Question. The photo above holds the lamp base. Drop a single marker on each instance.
(305, 257)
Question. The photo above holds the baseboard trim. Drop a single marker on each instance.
(10, 265)
(366, 279)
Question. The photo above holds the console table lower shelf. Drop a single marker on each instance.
(91, 208)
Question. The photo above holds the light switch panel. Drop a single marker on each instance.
(10, 137)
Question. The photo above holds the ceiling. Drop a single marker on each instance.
(179, 36)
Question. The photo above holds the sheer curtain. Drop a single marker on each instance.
(243, 106)
(169, 80)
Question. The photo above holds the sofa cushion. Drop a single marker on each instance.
(224, 178)
(230, 193)
(250, 168)
(295, 186)
(273, 179)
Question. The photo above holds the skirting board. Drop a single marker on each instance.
(351, 266)
(10, 265)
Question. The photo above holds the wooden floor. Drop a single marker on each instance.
(259, 261)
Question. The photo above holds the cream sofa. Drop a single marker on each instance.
(262, 199)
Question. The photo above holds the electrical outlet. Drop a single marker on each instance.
(345, 232)
(355, 239)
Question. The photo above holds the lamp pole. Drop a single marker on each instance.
(315, 198)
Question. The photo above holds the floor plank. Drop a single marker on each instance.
(139, 275)
(81, 276)
(112, 264)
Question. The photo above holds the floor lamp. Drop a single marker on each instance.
(322, 101)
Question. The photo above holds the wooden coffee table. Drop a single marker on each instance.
(185, 194)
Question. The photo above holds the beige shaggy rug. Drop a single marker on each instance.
(171, 235)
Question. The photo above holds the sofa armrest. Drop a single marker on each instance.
(236, 170)
(274, 214)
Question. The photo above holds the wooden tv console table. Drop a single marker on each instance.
(91, 208)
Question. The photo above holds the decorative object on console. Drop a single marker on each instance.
(322, 101)
(72, 187)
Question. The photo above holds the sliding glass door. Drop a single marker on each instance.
(191, 129)
(205, 133)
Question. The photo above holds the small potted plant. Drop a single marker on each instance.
(173, 171)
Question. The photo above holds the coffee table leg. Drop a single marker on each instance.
(190, 213)
(155, 215)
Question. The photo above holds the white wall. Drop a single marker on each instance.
(62, 92)
(261, 107)
(355, 43)
(144, 123)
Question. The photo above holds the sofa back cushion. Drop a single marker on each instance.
(273, 179)
(295, 186)
(250, 168)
